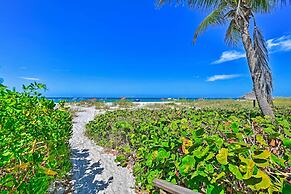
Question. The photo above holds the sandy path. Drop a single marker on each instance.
(93, 170)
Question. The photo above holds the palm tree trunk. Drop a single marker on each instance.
(262, 99)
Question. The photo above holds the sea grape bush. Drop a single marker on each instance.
(209, 150)
(34, 136)
(123, 103)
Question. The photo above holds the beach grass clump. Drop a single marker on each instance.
(282, 102)
(220, 103)
(210, 150)
(100, 105)
(161, 105)
(34, 141)
(92, 102)
(123, 103)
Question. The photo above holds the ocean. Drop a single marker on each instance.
(78, 99)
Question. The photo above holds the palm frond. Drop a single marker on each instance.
(262, 69)
(281, 2)
(192, 3)
(266, 6)
(262, 6)
(214, 18)
(232, 35)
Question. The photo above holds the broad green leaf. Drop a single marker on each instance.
(240, 136)
(262, 163)
(174, 181)
(279, 161)
(155, 154)
(174, 125)
(7, 153)
(235, 170)
(287, 131)
(286, 188)
(202, 173)
(261, 140)
(222, 156)
(264, 155)
(234, 127)
(205, 151)
(285, 124)
(219, 142)
(248, 168)
(210, 156)
(210, 188)
(198, 152)
(220, 175)
(165, 144)
(287, 142)
(209, 168)
(187, 164)
(149, 161)
(162, 154)
(265, 183)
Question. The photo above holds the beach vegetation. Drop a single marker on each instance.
(34, 140)
(123, 103)
(98, 104)
(160, 105)
(210, 150)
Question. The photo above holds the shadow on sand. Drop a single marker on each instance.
(84, 172)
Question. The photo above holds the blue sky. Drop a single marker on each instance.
(130, 48)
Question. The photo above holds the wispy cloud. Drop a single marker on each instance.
(222, 77)
(30, 78)
(279, 44)
(229, 56)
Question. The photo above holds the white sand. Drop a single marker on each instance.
(93, 170)
(141, 104)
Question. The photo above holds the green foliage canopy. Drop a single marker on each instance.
(210, 150)
(34, 135)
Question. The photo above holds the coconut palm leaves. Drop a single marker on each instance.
(238, 14)
(216, 17)
(263, 6)
(193, 3)
(232, 35)
(262, 69)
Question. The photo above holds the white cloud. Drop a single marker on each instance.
(30, 78)
(229, 56)
(279, 44)
(222, 77)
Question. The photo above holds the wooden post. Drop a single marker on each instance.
(171, 188)
(254, 103)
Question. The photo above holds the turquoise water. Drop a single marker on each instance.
(78, 99)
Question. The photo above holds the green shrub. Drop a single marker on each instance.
(123, 103)
(92, 102)
(34, 141)
(209, 150)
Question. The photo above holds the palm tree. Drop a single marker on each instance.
(239, 14)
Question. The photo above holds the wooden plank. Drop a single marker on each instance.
(171, 188)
